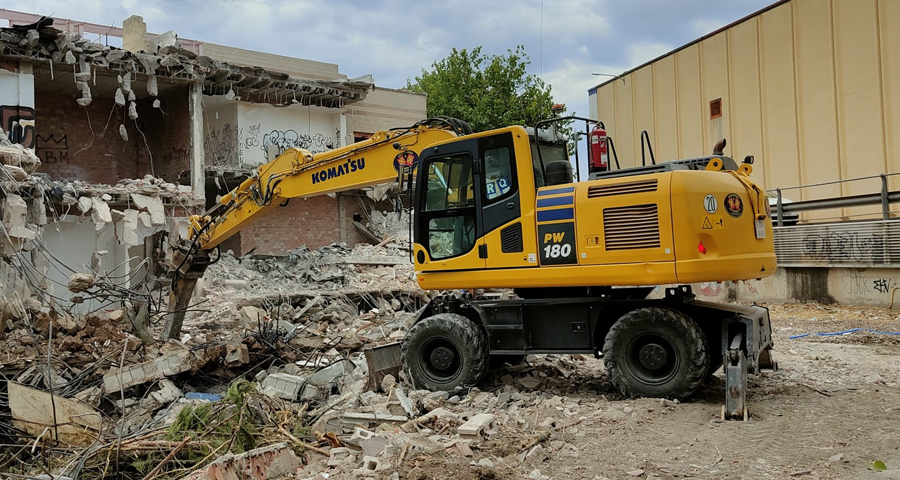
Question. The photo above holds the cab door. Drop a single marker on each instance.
(500, 201)
(448, 231)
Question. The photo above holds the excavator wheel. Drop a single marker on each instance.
(656, 352)
(445, 352)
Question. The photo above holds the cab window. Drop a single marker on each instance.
(449, 206)
(499, 167)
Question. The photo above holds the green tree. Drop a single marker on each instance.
(487, 91)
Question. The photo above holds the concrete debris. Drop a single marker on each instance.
(132, 107)
(16, 173)
(263, 463)
(286, 386)
(152, 86)
(237, 355)
(34, 411)
(122, 131)
(120, 100)
(475, 426)
(79, 282)
(171, 363)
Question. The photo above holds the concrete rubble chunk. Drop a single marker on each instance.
(167, 392)
(100, 215)
(152, 205)
(287, 387)
(132, 110)
(371, 465)
(250, 315)
(126, 82)
(123, 132)
(15, 172)
(328, 375)
(33, 411)
(152, 86)
(237, 355)
(476, 425)
(273, 461)
(70, 58)
(80, 282)
(126, 228)
(536, 455)
(374, 446)
(15, 217)
(157, 103)
(339, 455)
(120, 97)
(169, 364)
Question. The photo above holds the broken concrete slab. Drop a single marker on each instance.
(263, 463)
(328, 375)
(167, 392)
(476, 425)
(84, 204)
(287, 387)
(340, 455)
(237, 355)
(100, 214)
(169, 364)
(33, 411)
(152, 205)
(79, 282)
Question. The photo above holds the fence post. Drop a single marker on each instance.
(885, 203)
(779, 209)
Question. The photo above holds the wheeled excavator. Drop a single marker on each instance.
(501, 210)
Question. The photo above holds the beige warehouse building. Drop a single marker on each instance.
(811, 88)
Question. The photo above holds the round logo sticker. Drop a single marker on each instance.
(710, 204)
(734, 205)
(406, 159)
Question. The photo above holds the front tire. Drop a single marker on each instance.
(445, 352)
(656, 352)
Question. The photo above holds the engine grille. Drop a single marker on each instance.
(631, 227)
(638, 186)
(511, 239)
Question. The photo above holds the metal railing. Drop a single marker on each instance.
(852, 244)
(885, 198)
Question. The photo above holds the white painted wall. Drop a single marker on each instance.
(220, 125)
(245, 135)
(73, 240)
(17, 102)
(266, 131)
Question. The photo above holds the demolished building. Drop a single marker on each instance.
(119, 145)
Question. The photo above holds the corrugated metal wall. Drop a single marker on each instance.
(811, 88)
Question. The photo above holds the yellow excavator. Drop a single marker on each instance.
(501, 209)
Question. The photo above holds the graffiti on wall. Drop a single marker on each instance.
(277, 141)
(51, 149)
(863, 285)
(220, 146)
(18, 123)
(845, 246)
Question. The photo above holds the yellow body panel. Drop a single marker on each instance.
(635, 230)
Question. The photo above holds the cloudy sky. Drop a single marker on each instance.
(393, 40)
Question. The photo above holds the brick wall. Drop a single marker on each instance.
(313, 222)
(169, 135)
(70, 150)
(71, 147)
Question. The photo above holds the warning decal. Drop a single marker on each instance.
(712, 222)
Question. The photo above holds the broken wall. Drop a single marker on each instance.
(241, 135)
(83, 143)
(168, 135)
(17, 115)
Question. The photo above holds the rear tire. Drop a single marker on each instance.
(656, 352)
(445, 352)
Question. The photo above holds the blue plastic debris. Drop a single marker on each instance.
(210, 397)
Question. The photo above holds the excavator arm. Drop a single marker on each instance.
(386, 156)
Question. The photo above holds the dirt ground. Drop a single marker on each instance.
(831, 410)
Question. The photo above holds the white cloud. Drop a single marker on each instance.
(644, 52)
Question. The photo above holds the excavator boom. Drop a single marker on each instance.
(296, 173)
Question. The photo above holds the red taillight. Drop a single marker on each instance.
(701, 248)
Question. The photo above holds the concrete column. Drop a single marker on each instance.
(134, 34)
(198, 159)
